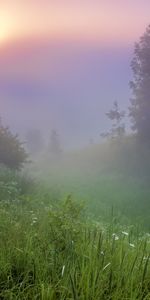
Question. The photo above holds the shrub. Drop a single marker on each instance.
(12, 152)
(14, 184)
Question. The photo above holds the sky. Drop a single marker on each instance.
(63, 63)
(98, 20)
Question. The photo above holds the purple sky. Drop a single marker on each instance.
(68, 82)
(64, 86)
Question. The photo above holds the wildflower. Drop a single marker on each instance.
(33, 222)
(115, 236)
(106, 266)
(102, 253)
(132, 245)
(125, 233)
(63, 270)
(146, 258)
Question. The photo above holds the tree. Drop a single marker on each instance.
(139, 109)
(54, 144)
(116, 116)
(12, 153)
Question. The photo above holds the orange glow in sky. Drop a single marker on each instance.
(6, 26)
(103, 20)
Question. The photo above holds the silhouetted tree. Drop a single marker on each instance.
(116, 116)
(12, 152)
(140, 86)
(54, 143)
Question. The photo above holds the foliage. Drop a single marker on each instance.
(52, 253)
(140, 102)
(14, 185)
(118, 128)
(12, 153)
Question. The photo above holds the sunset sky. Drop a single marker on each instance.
(66, 60)
(99, 20)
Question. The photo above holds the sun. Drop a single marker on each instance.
(6, 27)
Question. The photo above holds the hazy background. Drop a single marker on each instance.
(63, 65)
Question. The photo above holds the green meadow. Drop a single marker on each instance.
(75, 227)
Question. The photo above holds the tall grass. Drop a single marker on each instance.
(53, 252)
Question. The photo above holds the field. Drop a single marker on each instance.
(78, 230)
(55, 252)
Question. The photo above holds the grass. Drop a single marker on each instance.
(56, 252)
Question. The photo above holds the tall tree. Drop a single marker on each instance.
(139, 109)
(118, 127)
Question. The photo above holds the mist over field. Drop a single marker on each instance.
(74, 150)
(70, 90)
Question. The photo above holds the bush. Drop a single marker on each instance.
(14, 184)
(12, 152)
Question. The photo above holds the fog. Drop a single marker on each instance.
(63, 85)
(74, 150)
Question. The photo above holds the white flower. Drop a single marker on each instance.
(132, 245)
(102, 253)
(63, 270)
(146, 258)
(125, 233)
(33, 222)
(115, 236)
